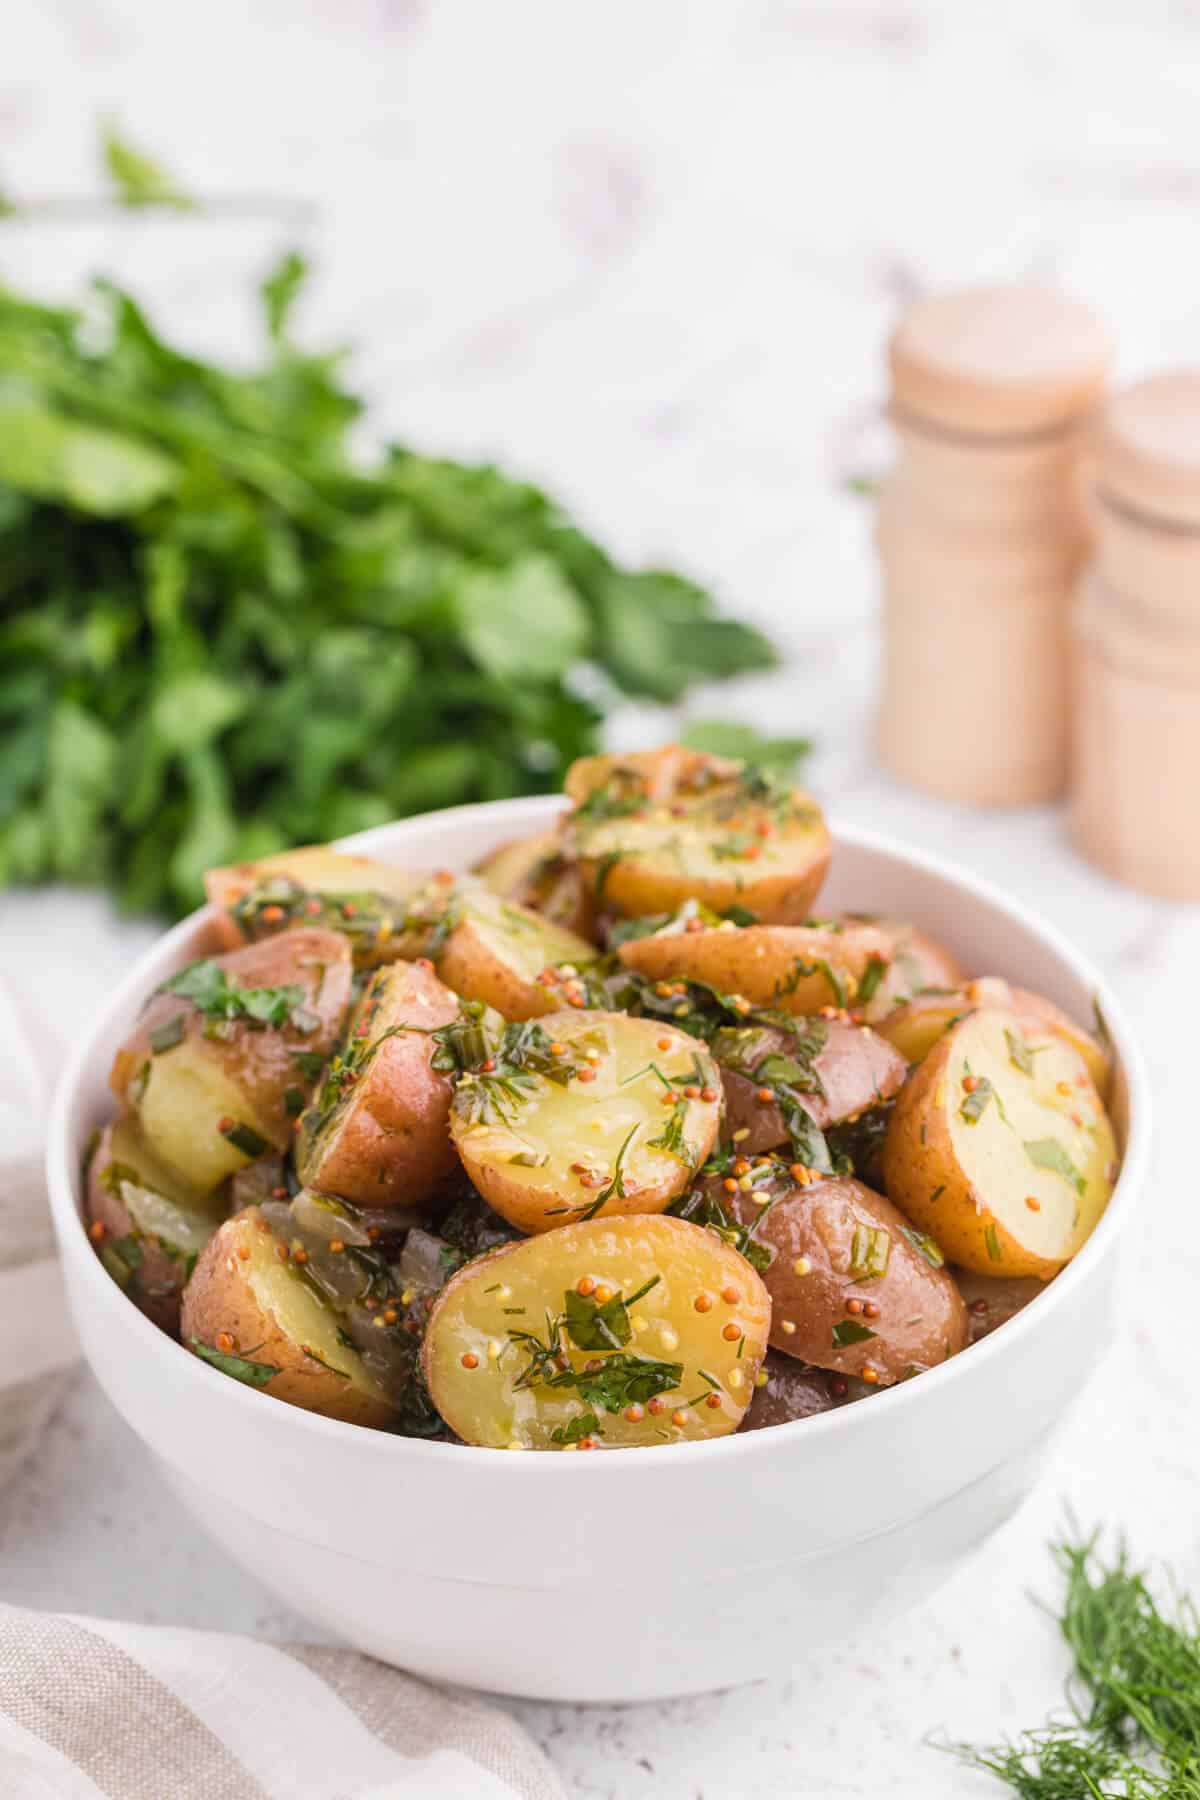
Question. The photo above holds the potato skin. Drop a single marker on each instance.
(378, 1131)
(476, 1370)
(307, 887)
(798, 968)
(156, 1283)
(536, 872)
(238, 1289)
(497, 951)
(988, 1225)
(916, 1026)
(555, 1122)
(252, 1069)
(856, 1070)
(655, 828)
(921, 1319)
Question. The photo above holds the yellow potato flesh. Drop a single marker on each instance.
(298, 1311)
(1031, 1156)
(476, 1362)
(915, 1027)
(186, 1095)
(498, 951)
(548, 1151)
(711, 834)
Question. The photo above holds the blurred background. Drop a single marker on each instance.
(646, 257)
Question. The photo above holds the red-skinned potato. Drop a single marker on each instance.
(658, 827)
(223, 1059)
(148, 1226)
(601, 1113)
(377, 1132)
(250, 1313)
(999, 1146)
(600, 1335)
(364, 899)
(496, 951)
(850, 1068)
(915, 1027)
(853, 1287)
(798, 968)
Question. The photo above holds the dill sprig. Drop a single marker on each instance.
(1133, 1728)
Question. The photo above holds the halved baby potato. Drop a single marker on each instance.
(377, 1132)
(147, 1224)
(999, 1146)
(364, 899)
(601, 1335)
(915, 1027)
(536, 872)
(224, 1056)
(251, 1313)
(798, 968)
(658, 827)
(853, 1287)
(839, 1072)
(495, 951)
(599, 1114)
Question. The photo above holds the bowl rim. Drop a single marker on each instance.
(529, 812)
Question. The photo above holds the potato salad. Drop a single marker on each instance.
(615, 1141)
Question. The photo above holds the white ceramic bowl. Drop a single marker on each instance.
(649, 1572)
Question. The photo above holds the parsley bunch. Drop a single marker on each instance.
(221, 632)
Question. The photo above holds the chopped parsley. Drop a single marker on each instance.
(1048, 1153)
(223, 1002)
(974, 1104)
(849, 1331)
(925, 1246)
(254, 1374)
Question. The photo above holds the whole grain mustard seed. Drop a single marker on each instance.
(667, 1338)
(802, 1266)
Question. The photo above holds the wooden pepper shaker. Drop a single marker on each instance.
(1135, 800)
(981, 532)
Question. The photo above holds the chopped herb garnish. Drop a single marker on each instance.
(310, 1063)
(254, 1374)
(593, 1326)
(243, 1138)
(925, 1246)
(165, 1037)
(583, 1425)
(993, 1244)
(849, 1331)
(293, 1102)
(870, 979)
(1019, 1052)
(870, 1248)
(1048, 1153)
(207, 985)
(974, 1104)
(614, 1188)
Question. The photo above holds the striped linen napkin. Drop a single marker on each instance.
(91, 1707)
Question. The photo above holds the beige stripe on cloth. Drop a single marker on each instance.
(93, 1707)
(418, 1721)
(109, 1715)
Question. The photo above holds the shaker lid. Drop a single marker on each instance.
(998, 361)
(1146, 447)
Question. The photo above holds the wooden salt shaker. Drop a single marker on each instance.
(981, 533)
(1135, 801)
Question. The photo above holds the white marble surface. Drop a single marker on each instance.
(649, 254)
